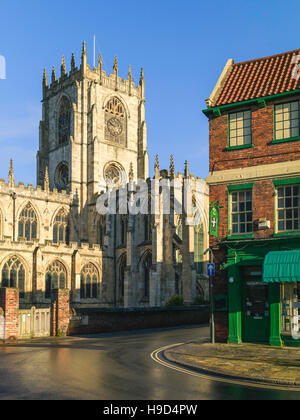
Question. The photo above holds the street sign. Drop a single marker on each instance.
(211, 269)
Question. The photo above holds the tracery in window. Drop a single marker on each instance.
(13, 275)
(64, 121)
(55, 278)
(89, 282)
(112, 174)
(61, 227)
(28, 224)
(115, 107)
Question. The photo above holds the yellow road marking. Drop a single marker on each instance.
(155, 357)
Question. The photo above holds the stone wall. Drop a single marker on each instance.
(92, 321)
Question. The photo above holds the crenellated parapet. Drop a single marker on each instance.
(30, 192)
(95, 75)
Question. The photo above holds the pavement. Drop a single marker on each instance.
(248, 362)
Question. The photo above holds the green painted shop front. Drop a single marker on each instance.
(255, 307)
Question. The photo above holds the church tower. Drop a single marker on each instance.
(93, 128)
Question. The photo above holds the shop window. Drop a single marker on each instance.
(241, 212)
(240, 129)
(288, 208)
(286, 120)
(290, 302)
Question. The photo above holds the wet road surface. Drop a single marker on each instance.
(112, 367)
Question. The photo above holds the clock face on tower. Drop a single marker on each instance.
(114, 126)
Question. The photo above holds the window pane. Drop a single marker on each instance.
(4, 277)
(33, 230)
(61, 233)
(82, 287)
(62, 281)
(240, 128)
(48, 286)
(234, 228)
(13, 278)
(288, 208)
(241, 218)
(21, 283)
(88, 286)
(55, 235)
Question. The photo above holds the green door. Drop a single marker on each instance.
(256, 308)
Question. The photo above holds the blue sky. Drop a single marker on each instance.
(183, 46)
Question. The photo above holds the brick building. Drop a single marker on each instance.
(253, 115)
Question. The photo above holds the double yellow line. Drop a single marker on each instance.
(156, 357)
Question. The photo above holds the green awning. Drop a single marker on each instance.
(282, 266)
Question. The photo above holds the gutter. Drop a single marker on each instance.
(261, 102)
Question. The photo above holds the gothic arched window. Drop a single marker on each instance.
(28, 224)
(64, 121)
(114, 174)
(147, 267)
(56, 278)
(61, 228)
(89, 282)
(13, 275)
(115, 122)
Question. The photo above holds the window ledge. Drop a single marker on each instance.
(244, 146)
(297, 233)
(236, 237)
(285, 140)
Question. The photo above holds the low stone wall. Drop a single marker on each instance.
(92, 321)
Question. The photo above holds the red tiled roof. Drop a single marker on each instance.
(261, 77)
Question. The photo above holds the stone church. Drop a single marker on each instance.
(93, 128)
